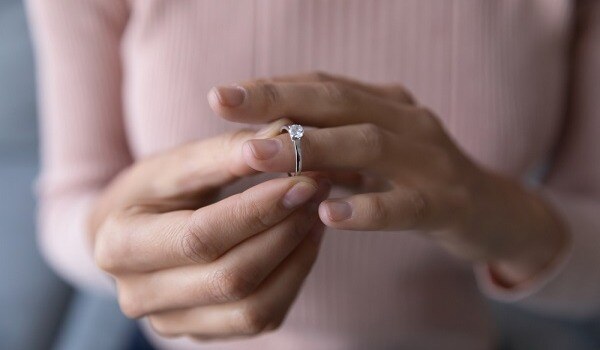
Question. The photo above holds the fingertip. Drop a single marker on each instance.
(264, 149)
(224, 100)
(229, 96)
(300, 193)
(250, 158)
(266, 155)
(248, 153)
(324, 216)
(333, 212)
(213, 99)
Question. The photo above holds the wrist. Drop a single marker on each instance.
(529, 237)
(537, 253)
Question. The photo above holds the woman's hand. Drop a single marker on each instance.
(433, 186)
(231, 268)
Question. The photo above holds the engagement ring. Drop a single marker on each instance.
(296, 132)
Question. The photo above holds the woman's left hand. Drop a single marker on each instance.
(433, 187)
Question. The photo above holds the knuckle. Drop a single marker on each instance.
(427, 122)
(378, 213)
(397, 88)
(130, 304)
(339, 94)
(271, 95)
(372, 139)
(401, 93)
(257, 217)
(111, 244)
(419, 207)
(162, 326)
(105, 260)
(252, 320)
(319, 76)
(227, 286)
(197, 249)
(408, 97)
(197, 245)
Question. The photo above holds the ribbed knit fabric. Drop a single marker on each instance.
(121, 80)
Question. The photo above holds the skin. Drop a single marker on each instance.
(433, 186)
(233, 268)
(228, 269)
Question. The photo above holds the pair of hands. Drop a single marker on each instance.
(233, 268)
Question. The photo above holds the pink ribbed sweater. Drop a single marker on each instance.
(121, 80)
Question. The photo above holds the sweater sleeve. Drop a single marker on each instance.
(571, 285)
(83, 144)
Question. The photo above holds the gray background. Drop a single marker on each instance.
(38, 311)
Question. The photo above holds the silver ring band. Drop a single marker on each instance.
(296, 132)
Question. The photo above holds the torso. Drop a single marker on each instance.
(494, 72)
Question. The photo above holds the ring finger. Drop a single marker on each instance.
(351, 147)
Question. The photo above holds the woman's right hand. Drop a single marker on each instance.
(228, 269)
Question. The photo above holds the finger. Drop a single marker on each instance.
(233, 277)
(141, 241)
(317, 104)
(398, 209)
(395, 91)
(195, 168)
(351, 147)
(262, 311)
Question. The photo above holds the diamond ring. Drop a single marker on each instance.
(296, 132)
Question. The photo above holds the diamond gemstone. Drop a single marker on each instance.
(296, 131)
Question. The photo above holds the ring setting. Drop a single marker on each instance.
(296, 132)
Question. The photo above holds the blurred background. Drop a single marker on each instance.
(39, 311)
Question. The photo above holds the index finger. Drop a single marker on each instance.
(143, 241)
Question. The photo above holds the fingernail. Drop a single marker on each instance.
(299, 194)
(338, 210)
(231, 96)
(264, 149)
